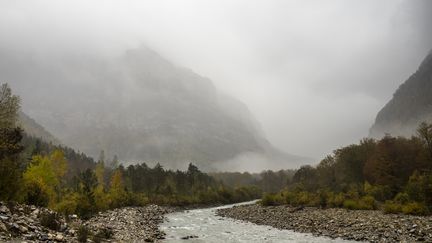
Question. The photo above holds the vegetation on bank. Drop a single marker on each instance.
(393, 174)
(268, 181)
(42, 174)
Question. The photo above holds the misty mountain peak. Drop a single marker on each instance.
(411, 104)
(142, 107)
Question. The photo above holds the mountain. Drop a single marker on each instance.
(32, 128)
(140, 107)
(411, 104)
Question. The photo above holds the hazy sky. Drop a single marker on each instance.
(314, 73)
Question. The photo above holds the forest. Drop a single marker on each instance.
(39, 173)
(393, 174)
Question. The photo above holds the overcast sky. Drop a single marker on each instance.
(314, 73)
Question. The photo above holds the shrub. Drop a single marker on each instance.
(402, 198)
(50, 220)
(302, 198)
(367, 203)
(350, 204)
(35, 194)
(68, 205)
(364, 203)
(271, 200)
(380, 193)
(415, 208)
(290, 197)
(338, 200)
(83, 233)
(392, 207)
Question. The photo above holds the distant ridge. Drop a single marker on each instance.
(142, 108)
(411, 104)
(32, 128)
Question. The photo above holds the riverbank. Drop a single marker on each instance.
(36, 224)
(361, 225)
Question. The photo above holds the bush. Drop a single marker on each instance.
(364, 203)
(35, 194)
(83, 233)
(415, 208)
(367, 203)
(68, 205)
(337, 200)
(392, 207)
(402, 198)
(50, 220)
(271, 200)
(302, 199)
(380, 193)
(350, 204)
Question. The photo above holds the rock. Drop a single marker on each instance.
(3, 227)
(59, 237)
(361, 225)
(189, 237)
(130, 224)
(4, 210)
(23, 229)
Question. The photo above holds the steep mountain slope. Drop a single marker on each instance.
(32, 128)
(410, 105)
(140, 107)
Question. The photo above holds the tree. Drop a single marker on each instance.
(117, 191)
(9, 106)
(306, 178)
(424, 132)
(10, 147)
(102, 157)
(43, 178)
(87, 185)
(114, 163)
(100, 173)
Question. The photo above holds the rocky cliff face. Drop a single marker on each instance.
(411, 104)
(140, 107)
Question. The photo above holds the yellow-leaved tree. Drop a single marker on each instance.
(117, 192)
(101, 198)
(43, 178)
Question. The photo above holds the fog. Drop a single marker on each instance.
(313, 73)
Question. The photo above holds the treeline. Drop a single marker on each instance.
(268, 181)
(393, 174)
(39, 173)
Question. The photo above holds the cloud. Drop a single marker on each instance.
(314, 73)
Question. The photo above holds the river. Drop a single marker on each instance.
(208, 227)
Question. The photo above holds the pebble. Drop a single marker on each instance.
(130, 224)
(359, 225)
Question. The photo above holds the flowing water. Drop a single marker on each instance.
(207, 227)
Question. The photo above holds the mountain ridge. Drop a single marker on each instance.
(142, 107)
(410, 105)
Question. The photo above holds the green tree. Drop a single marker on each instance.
(87, 185)
(9, 106)
(424, 132)
(114, 163)
(10, 147)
